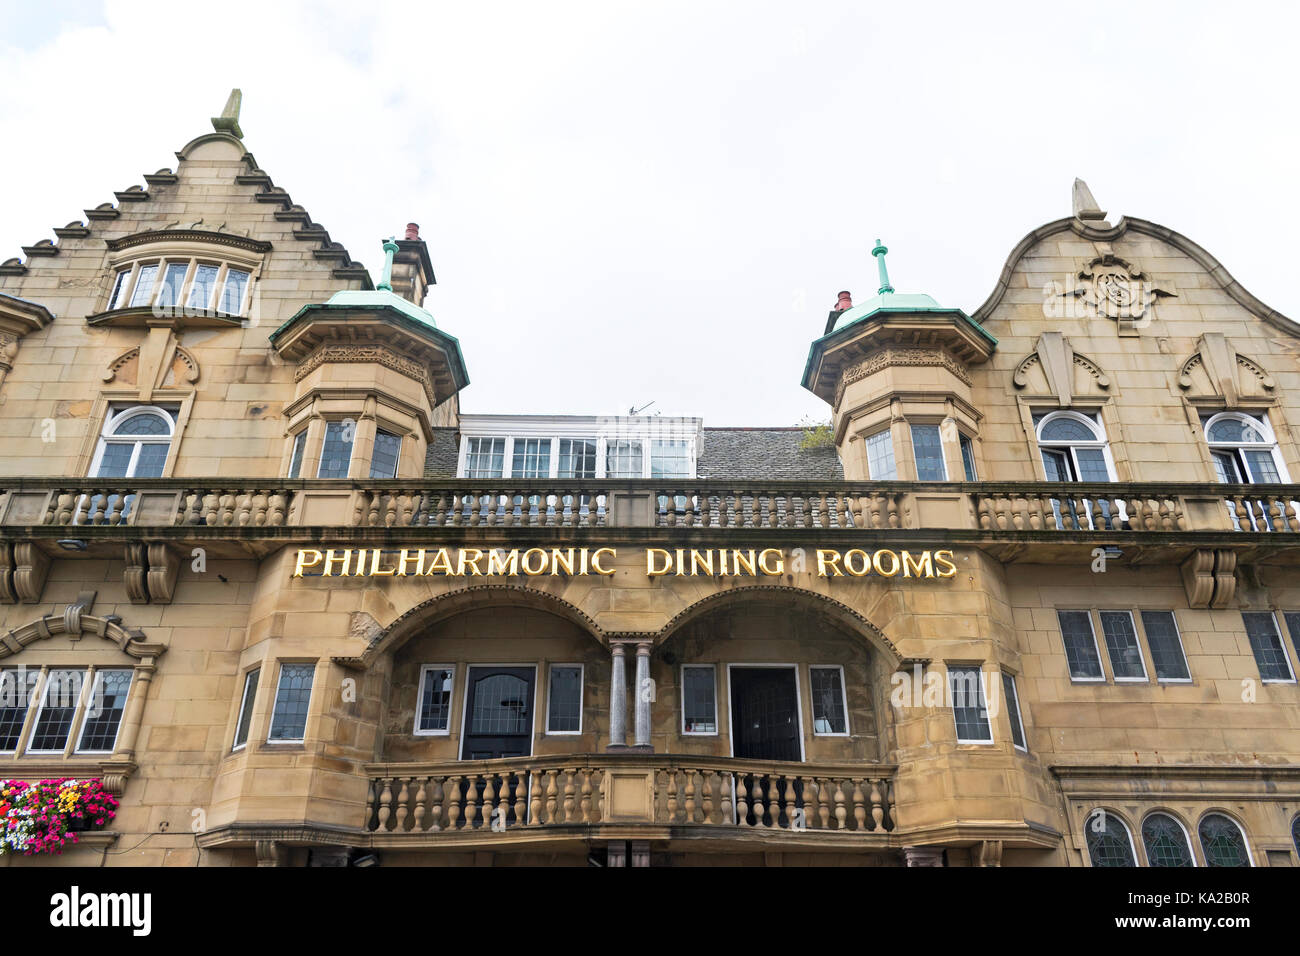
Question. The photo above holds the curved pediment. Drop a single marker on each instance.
(75, 624)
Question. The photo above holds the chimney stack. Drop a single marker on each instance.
(412, 268)
(844, 303)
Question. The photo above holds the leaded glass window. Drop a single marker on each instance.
(880, 457)
(501, 703)
(232, 293)
(384, 458)
(968, 458)
(1266, 643)
(292, 698)
(966, 684)
(829, 716)
(1080, 645)
(1122, 645)
(1166, 647)
(699, 700)
(58, 706)
(142, 293)
(246, 708)
(336, 450)
(1013, 711)
(1165, 841)
(1108, 840)
(203, 287)
(17, 690)
(295, 458)
(564, 699)
(1222, 841)
(434, 712)
(118, 294)
(173, 281)
(927, 446)
(104, 711)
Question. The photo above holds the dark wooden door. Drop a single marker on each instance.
(498, 713)
(765, 713)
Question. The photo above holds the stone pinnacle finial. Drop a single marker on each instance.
(228, 121)
(879, 252)
(391, 249)
(1085, 206)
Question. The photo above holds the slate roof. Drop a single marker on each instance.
(737, 454)
(443, 454)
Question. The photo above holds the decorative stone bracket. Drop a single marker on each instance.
(151, 572)
(23, 569)
(1210, 577)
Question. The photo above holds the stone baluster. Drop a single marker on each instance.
(472, 801)
(503, 801)
(725, 812)
(841, 812)
(487, 797)
(672, 795)
(385, 803)
(706, 797)
(585, 802)
(453, 805)
(824, 800)
(372, 797)
(570, 792)
(688, 797)
(877, 805)
(859, 806)
(758, 800)
(436, 798)
(810, 795)
(552, 796)
(403, 799)
(417, 818)
(742, 802)
(537, 798)
(788, 802)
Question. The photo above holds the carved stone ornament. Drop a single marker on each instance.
(1113, 288)
(887, 357)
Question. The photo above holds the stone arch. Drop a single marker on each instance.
(476, 598)
(74, 623)
(788, 596)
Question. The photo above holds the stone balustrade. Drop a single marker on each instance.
(993, 507)
(626, 789)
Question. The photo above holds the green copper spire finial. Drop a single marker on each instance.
(879, 252)
(386, 280)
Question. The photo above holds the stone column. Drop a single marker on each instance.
(644, 695)
(618, 701)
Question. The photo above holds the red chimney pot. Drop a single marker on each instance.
(412, 230)
(845, 302)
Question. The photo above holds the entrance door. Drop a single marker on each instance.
(765, 713)
(498, 713)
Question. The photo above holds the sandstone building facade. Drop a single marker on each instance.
(1034, 601)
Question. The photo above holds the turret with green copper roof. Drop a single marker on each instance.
(889, 318)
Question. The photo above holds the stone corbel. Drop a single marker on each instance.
(7, 593)
(30, 567)
(150, 573)
(269, 852)
(987, 853)
(923, 856)
(1210, 578)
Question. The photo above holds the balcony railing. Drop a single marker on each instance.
(1116, 508)
(624, 789)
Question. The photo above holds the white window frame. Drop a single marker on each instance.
(32, 696)
(893, 458)
(712, 668)
(239, 714)
(419, 700)
(1128, 829)
(844, 699)
(275, 699)
(1093, 424)
(1182, 649)
(582, 691)
(118, 414)
(1019, 718)
(1137, 639)
(984, 699)
(1286, 653)
(125, 289)
(94, 685)
(1092, 626)
(1261, 425)
(798, 702)
(73, 726)
(397, 459)
(1187, 837)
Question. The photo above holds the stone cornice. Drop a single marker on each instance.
(189, 235)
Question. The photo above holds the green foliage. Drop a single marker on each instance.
(816, 435)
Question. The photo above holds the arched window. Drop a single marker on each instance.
(1244, 450)
(1222, 841)
(1073, 446)
(1109, 842)
(1166, 841)
(134, 442)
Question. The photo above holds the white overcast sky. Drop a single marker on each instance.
(635, 202)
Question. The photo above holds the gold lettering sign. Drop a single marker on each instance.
(659, 562)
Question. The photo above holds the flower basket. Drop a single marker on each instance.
(46, 816)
